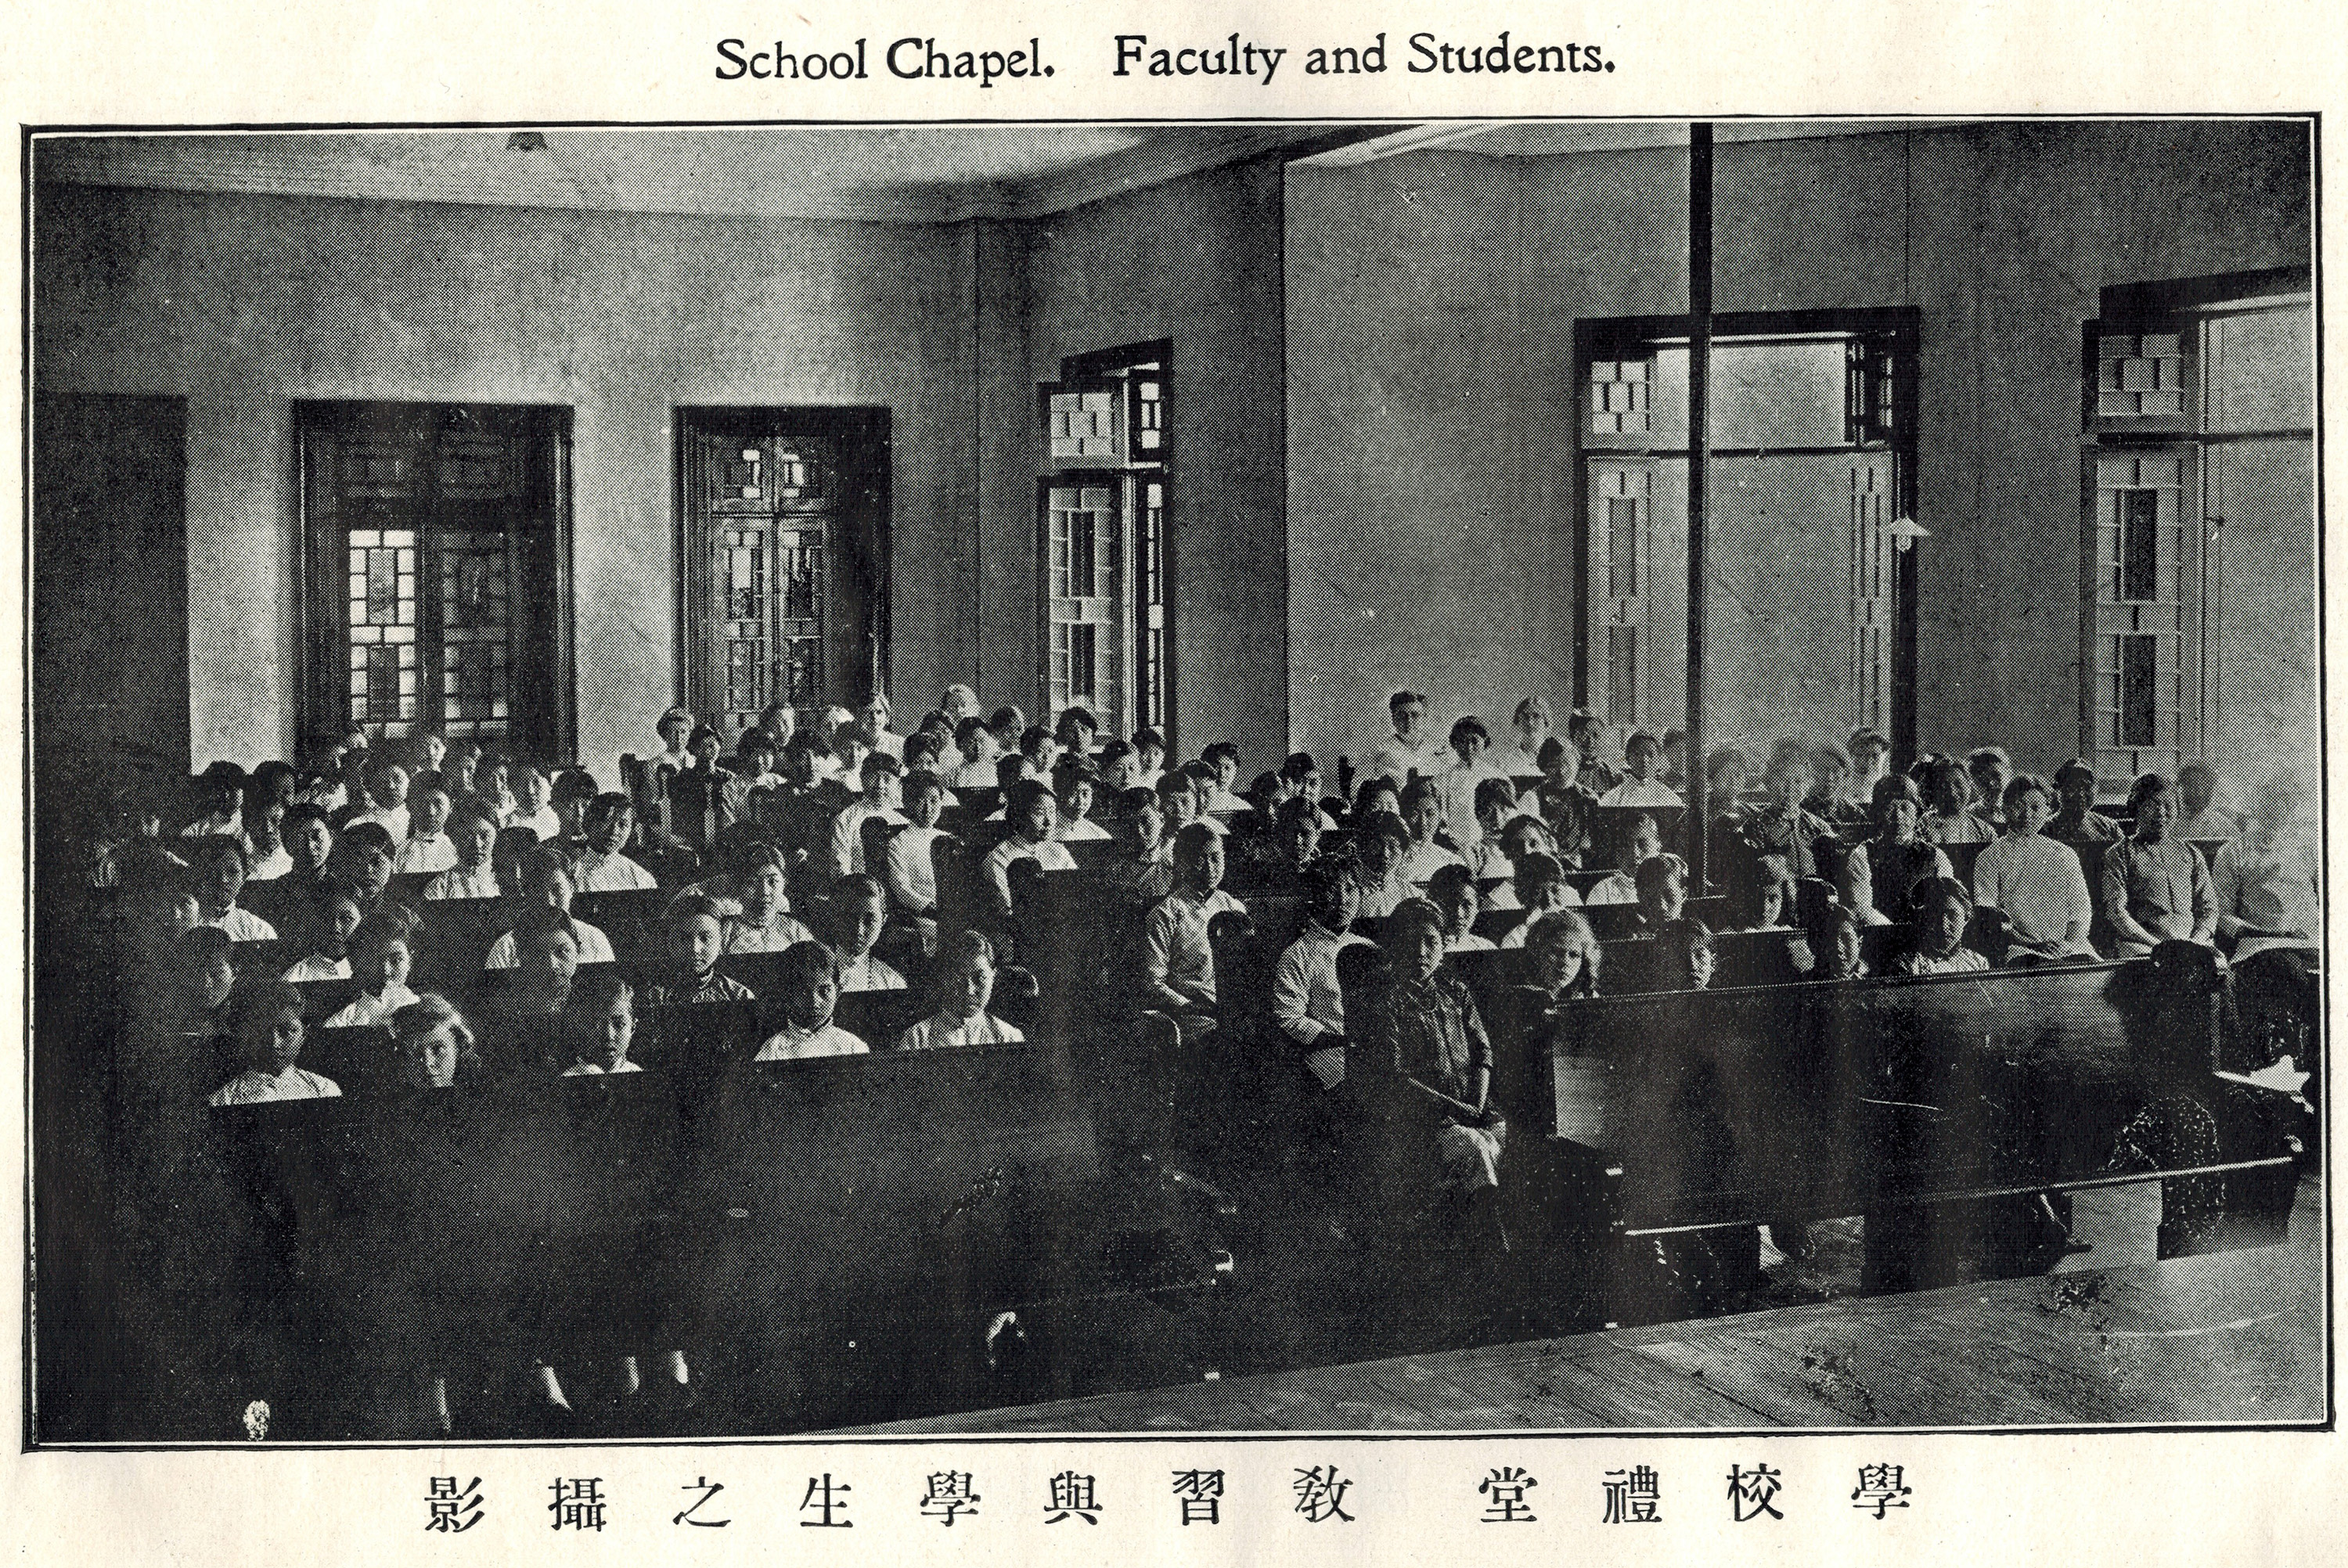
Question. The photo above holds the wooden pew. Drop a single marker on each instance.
(630, 918)
(1701, 1110)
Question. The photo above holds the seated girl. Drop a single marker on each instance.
(1377, 795)
(696, 930)
(1950, 819)
(1990, 770)
(1564, 953)
(599, 1024)
(1496, 806)
(603, 866)
(1288, 847)
(965, 985)
(1939, 911)
(1381, 841)
(379, 963)
(218, 860)
(1758, 900)
(1307, 1002)
(2076, 822)
(473, 834)
(1075, 806)
(1679, 957)
(1830, 800)
(546, 884)
(266, 1022)
(1417, 1051)
(1642, 757)
(266, 856)
(205, 971)
(1640, 842)
(2034, 880)
(435, 1043)
(1542, 889)
(1452, 891)
(1143, 869)
(1878, 873)
(2155, 887)
(1780, 825)
(1522, 838)
(1422, 813)
(1662, 893)
(761, 922)
(328, 924)
(2269, 881)
(1561, 802)
(810, 987)
(546, 951)
(859, 912)
(1835, 938)
(1032, 815)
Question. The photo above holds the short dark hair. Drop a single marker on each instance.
(604, 808)
(1449, 879)
(1501, 792)
(807, 964)
(1299, 767)
(1218, 750)
(364, 835)
(390, 922)
(1147, 737)
(691, 905)
(921, 781)
(1469, 725)
(260, 1002)
(1022, 796)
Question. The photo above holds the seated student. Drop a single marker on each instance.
(1662, 893)
(2200, 816)
(1307, 1003)
(2268, 882)
(1950, 816)
(2076, 822)
(2034, 880)
(1989, 769)
(1033, 814)
(1564, 953)
(860, 909)
(326, 924)
(958, 702)
(676, 756)
(1422, 813)
(694, 928)
(435, 1043)
(1586, 732)
(754, 899)
(1258, 800)
(1779, 825)
(754, 761)
(218, 864)
(1829, 799)
(1076, 797)
(546, 884)
(163, 907)
(1007, 724)
(1378, 795)
(2157, 887)
(428, 847)
(546, 961)
(473, 873)
(364, 855)
(533, 786)
(1148, 758)
(1835, 938)
(1075, 730)
(1532, 722)
(1468, 771)
(205, 972)
(494, 783)
(1496, 806)
(1288, 843)
(1179, 797)
(219, 792)
(380, 952)
(1542, 889)
(572, 792)
(812, 988)
(1939, 910)
(1452, 891)
(1041, 747)
(1521, 839)
(704, 800)
(1564, 806)
(1674, 772)
(1878, 873)
(1380, 843)
(1760, 900)
(877, 795)
(797, 818)
(385, 800)
(849, 749)
(965, 984)
(923, 754)
(1642, 841)
(1300, 779)
(976, 743)
(1177, 964)
(266, 1021)
(459, 767)
(1143, 869)
(1679, 956)
(599, 1025)
(1418, 1051)
(266, 856)
(910, 873)
(1011, 769)
(1642, 755)
(1120, 769)
(601, 867)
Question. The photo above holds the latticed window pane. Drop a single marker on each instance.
(1618, 394)
(1622, 672)
(2140, 376)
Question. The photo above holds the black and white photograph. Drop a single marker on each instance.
(1405, 776)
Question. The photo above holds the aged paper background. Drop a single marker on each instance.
(2137, 1498)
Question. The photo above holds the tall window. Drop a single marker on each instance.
(1103, 539)
(435, 545)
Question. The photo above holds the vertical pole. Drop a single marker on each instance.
(1699, 426)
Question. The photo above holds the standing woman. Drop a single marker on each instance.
(2156, 887)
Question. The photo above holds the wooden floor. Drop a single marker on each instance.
(2235, 1337)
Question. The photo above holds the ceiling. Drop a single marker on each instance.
(909, 174)
(921, 174)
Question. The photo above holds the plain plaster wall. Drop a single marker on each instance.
(244, 303)
(1196, 260)
(1431, 303)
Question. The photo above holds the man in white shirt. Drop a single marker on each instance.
(1177, 964)
(1410, 752)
